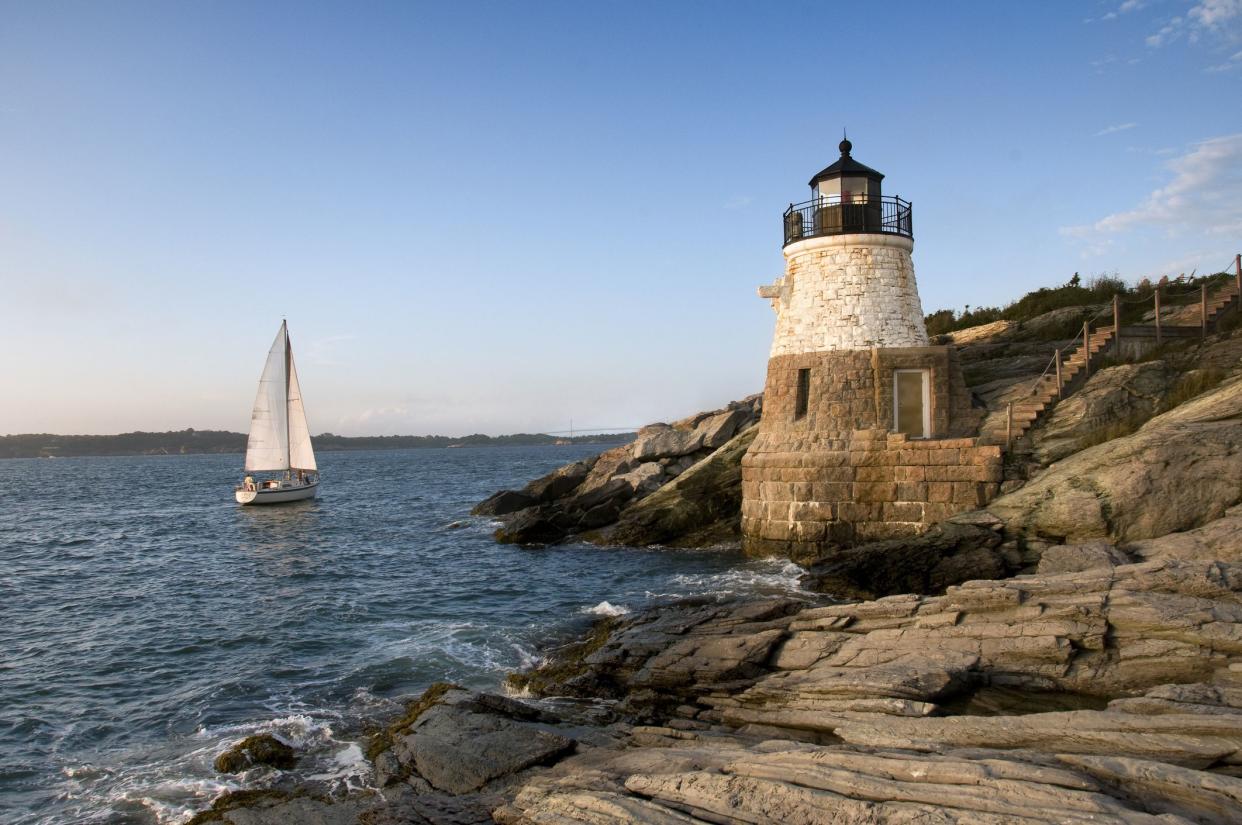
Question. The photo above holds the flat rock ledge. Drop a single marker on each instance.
(1110, 692)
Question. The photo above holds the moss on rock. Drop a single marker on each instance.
(566, 664)
(260, 749)
(430, 697)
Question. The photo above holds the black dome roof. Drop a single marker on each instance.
(846, 165)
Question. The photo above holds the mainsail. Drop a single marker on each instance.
(279, 436)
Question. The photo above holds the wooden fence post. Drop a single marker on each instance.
(1157, 314)
(1237, 273)
(1086, 349)
(1059, 374)
(1117, 325)
(1203, 308)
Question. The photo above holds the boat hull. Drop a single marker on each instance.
(279, 495)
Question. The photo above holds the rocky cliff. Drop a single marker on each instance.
(675, 484)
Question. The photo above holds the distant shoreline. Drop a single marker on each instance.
(221, 442)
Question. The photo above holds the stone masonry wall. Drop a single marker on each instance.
(853, 390)
(836, 476)
(863, 486)
(846, 292)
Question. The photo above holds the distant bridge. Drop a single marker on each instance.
(572, 431)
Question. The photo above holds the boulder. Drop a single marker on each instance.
(701, 507)
(1179, 471)
(644, 478)
(260, 749)
(458, 750)
(1121, 396)
(948, 554)
(558, 483)
(502, 503)
(616, 491)
(715, 430)
(457, 741)
(534, 525)
(667, 442)
(609, 463)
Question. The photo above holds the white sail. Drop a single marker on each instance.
(301, 456)
(268, 445)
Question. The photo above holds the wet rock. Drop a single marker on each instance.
(534, 525)
(459, 741)
(502, 503)
(458, 750)
(277, 807)
(260, 749)
(950, 553)
(559, 483)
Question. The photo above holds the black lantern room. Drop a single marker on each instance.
(846, 198)
(846, 181)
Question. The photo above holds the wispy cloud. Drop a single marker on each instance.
(322, 350)
(1125, 8)
(737, 202)
(1234, 62)
(1205, 195)
(1110, 130)
(1220, 18)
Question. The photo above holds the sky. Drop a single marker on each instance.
(504, 217)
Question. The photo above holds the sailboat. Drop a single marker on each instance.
(279, 442)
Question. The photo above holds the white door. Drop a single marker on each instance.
(912, 403)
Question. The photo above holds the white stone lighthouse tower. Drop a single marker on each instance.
(867, 429)
(849, 281)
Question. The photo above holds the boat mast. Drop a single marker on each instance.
(284, 325)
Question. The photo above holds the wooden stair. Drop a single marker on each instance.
(1220, 301)
(1044, 394)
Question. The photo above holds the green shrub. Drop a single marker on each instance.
(1098, 290)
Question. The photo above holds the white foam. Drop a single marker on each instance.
(766, 576)
(606, 608)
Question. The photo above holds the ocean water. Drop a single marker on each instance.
(147, 621)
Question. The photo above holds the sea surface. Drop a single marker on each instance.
(147, 621)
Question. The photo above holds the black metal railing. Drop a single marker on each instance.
(888, 215)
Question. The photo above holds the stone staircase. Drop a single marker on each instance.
(1045, 393)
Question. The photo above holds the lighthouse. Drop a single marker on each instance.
(868, 431)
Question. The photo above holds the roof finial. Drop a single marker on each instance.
(845, 146)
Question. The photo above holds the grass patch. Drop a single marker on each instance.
(1192, 385)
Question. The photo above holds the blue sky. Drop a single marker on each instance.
(498, 217)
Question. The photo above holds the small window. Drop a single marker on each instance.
(804, 392)
(912, 403)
